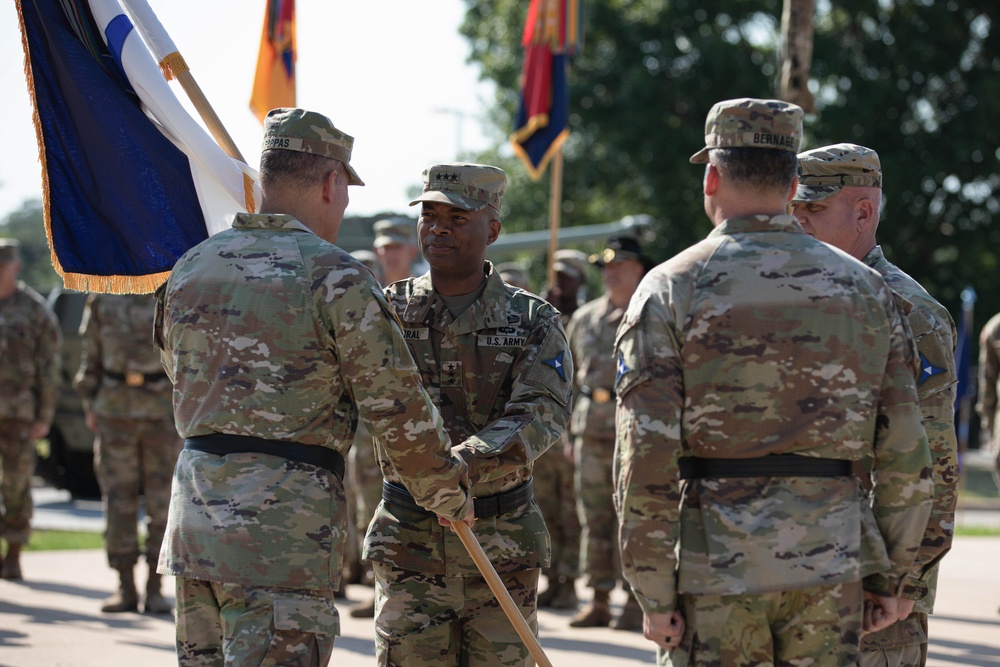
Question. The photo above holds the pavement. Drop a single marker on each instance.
(52, 618)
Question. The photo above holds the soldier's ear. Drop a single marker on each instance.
(711, 183)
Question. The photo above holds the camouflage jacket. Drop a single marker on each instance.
(934, 333)
(761, 340)
(29, 357)
(989, 378)
(592, 339)
(500, 373)
(117, 341)
(269, 331)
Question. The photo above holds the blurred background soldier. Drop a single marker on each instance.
(496, 363)
(366, 257)
(554, 474)
(592, 339)
(395, 251)
(989, 384)
(127, 403)
(29, 386)
(513, 274)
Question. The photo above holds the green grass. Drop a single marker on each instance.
(52, 540)
(977, 531)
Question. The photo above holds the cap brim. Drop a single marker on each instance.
(450, 198)
(814, 192)
(354, 178)
(701, 157)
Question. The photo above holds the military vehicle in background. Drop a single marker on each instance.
(69, 461)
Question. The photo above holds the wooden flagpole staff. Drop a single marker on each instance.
(500, 591)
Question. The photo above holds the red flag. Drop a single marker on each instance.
(550, 32)
(274, 81)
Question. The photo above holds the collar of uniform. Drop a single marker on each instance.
(489, 312)
(874, 256)
(758, 223)
(267, 221)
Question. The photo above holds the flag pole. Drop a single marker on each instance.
(555, 211)
(172, 65)
(500, 592)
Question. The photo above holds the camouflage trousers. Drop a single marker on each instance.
(133, 455)
(228, 625)
(426, 620)
(818, 626)
(902, 644)
(18, 453)
(555, 493)
(363, 490)
(599, 555)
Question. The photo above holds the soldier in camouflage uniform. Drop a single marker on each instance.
(554, 472)
(592, 339)
(29, 387)
(496, 362)
(277, 341)
(395, 251)
(126, 397)
(989, 382)
(754, 368)
(838, 202)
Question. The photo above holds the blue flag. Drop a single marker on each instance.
(123, 195)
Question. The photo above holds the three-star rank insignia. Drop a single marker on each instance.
(927, 370)
(556, 362)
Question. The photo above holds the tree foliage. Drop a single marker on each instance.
(27, 225)
(917, 80)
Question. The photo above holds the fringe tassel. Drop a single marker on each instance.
(248, 201)
(115, 284)
(172, 65)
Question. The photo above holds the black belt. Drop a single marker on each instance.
(486, 508)
(222, 444)
(136, 379)
(774, 465)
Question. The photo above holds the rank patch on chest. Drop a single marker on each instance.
(416, 334)
(451, 374)
(501, 340)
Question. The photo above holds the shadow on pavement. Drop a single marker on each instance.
(964, 653)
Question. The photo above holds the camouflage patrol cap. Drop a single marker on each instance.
(572, 262)
(9, 250)
(469, 186)
(309, 132)
(824, 171)
(752, 123)
(393, 230)
(512, 274)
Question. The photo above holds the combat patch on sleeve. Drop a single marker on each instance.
(630, 367)
(552, 368)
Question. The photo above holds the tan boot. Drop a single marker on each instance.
(12, 562)
(155, 602)
(364, 611)
(126, 598)
(595, 615)
(565, 597)
(630, 618)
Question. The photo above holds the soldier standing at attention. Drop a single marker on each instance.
(754, 369)
(276, 340)
(495, 361)
(592, 339)
(554, 472)
(395, 251)
(838, 202)
(29, 387)
(989, 382)
(127, 403)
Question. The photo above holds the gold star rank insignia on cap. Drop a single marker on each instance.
(556, 362)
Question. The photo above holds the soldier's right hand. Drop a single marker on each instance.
(469, 520)
(880, 612)
(666, 630)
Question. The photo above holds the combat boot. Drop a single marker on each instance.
(364, 611)
(12, 562)
(155, 602)
(630, 618)
(546, 597)
(596, 615)
(126, 598)
(565, 597)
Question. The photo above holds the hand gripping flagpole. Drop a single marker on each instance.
(500, 591)
(173, 66)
